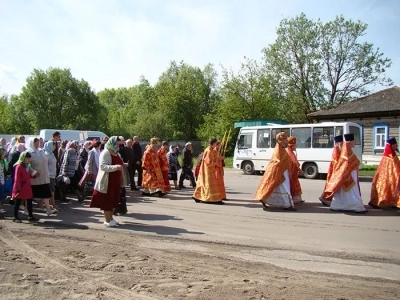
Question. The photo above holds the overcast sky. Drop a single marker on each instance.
(111, 43)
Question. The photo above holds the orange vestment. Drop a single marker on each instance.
(294, 167)
(273, 175)
(152, 174)
(326, 195)
(162, 155)
(385, 186)
(341, 177)
(206, 186)
(219, 174)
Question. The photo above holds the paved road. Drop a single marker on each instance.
(313, 238)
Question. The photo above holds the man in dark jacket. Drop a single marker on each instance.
(187, 165)
(129, 158)
(137, 159)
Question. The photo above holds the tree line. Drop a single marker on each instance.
(311, 65)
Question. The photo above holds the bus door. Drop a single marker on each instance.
(263, 153)
(358, 140)
(245, 146)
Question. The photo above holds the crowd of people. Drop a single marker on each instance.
(46, 171)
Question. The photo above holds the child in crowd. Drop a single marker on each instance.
(22, 189)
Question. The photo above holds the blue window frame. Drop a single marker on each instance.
(380, 134)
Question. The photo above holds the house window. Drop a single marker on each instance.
(380, 135)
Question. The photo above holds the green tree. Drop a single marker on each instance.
(350, 66)
(16, 118)
(245, 95)
(118, 104)
(184, 95)
(3, 108)
(294, 60)
(55, 99)
(323, 64)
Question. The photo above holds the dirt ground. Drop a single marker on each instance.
(62, 263)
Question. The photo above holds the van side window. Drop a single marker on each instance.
(275, 131)
(323, 137)
(303, 137)
(263, 138)
(245, 141)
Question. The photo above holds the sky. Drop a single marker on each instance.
(112, 43)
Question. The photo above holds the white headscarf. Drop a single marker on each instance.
(30, 145)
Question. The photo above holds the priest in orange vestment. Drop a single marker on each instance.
(207, 190)
(219, 171)
(274, 188)
(344, 185)
(326, 196)
(162, 156)
(385, 186)
(153, 180)
(294, 171)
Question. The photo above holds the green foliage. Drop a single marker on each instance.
(323, 65)
(53, 99)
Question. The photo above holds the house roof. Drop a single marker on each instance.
(384, 101)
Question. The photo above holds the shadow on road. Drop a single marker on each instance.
(318, 208)
(158, 229)
(153, 217)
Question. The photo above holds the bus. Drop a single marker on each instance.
(78, 135)
(255, 145)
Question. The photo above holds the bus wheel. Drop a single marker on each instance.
(248, 168)
(310, 171)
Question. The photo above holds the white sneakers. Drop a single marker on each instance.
(112, 223)
(2, 211)
(52, 211)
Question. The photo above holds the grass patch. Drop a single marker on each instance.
(368, 171)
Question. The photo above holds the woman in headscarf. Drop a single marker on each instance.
(61, 152)
(83, 156)
(3, 173)
(91, 169)
(107, 189)
(9, 146)
(70, 168)
(92, 164)
(173, 166)
(40, 173)
(22, 189)
(49, 148)
(14, 158)
(20, 140)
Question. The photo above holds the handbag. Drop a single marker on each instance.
(8, 183)
(85, 178)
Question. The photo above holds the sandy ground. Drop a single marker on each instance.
(38, 262)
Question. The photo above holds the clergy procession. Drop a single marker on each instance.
(280, 186)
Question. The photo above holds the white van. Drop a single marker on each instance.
(255, 145)
(78, 135)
